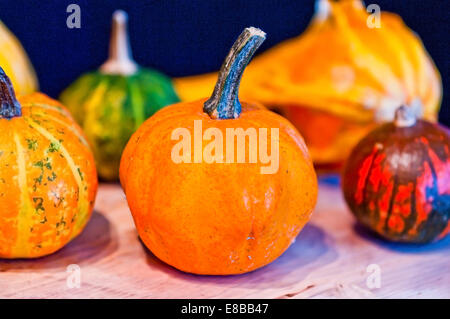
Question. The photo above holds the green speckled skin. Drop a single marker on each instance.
(110, 108)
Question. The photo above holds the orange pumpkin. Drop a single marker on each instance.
(207, 215)
(48, 180)
(340, 78)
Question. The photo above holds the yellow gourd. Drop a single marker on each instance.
(340, 78)
(15, 63)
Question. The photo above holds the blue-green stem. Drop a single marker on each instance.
(9, 106)
(224, 102)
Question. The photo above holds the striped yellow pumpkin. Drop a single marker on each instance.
(48, 179)
(15, 63)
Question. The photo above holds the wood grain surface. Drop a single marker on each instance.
(329, 259)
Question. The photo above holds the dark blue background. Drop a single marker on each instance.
(183, 37)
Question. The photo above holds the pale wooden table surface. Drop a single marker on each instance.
(329, 259)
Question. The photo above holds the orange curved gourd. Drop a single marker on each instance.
(340, 78)
(48, 179)
(217, 217)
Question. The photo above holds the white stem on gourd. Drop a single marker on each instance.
(120, 60)
(404, 117)
(322, 10)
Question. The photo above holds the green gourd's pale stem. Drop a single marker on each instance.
(120, 60)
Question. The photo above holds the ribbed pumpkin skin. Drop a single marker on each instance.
(15, 63)
(48, 179)
(218, 218)
(110, 108)
(396, 182)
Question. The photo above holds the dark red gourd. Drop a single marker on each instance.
(397, 180)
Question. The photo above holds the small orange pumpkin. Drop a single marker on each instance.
(48, 179)
(218, 217)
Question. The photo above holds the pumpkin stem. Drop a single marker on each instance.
(322, 9)
(404, 117)
(120, 60)
(9, 106)
(224, 102)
